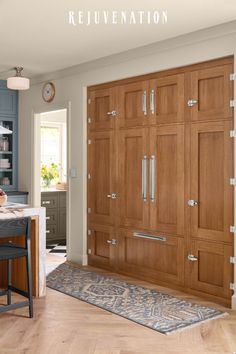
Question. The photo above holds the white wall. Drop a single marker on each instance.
(71, 87)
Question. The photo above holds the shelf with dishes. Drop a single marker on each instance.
(7, 155)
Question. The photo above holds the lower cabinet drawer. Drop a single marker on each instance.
(151, 255)
(49, 200)
(51, 216)
(51, 232)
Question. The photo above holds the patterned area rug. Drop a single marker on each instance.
(148, 307)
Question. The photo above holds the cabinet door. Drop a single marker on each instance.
(101, 246)
(167, 99)
(8, 103)
(213, 90)
(210, 270)
(102, 109)
(151, 256)
(101, 182)
(133, 177)
(133, 104)
(167, 179)
(211, 170)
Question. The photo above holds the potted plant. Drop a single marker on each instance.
(49, 173)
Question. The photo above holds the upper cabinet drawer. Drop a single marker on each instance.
(8, 103)
(49, 200)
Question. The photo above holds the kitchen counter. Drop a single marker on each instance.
(38, 250)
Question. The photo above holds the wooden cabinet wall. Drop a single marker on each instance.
(160, 159)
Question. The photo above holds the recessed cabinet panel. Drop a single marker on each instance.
(8, 103)
(211, 170)
(155, 256)
(167, 99)
(213, 90)
(101, 179)
(167, 204)
(102, 111)
(211, 271)
(133, 104)
(101, 251)
(133, 177)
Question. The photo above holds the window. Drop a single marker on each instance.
(53, 146)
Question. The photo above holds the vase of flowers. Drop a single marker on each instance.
(49, 173)
(3, 197)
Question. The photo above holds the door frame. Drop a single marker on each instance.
(35, 160)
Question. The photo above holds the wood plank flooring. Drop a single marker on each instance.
(63, 324)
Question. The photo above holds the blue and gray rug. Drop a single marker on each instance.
(148, 307)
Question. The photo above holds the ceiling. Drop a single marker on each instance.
(37, 35)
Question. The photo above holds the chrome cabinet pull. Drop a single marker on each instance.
(192, 202)
(112, 113)
(150, 237)
(152, 101)
(112, 242)
(144, 102)
(47, 231)
(152, 178)
(47, 218)
(112, 196)
(46, 202)
(192, 258)
(191, 103)
(144, 178)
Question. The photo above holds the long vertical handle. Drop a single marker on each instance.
(152, 178)
(144, 178)
(152, 101)
(144, 102)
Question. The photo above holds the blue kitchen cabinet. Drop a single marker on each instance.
(8, 142)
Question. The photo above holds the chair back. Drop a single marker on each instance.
(15, 227)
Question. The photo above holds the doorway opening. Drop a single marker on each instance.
(51, 187)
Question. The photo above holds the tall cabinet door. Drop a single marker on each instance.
(133, 177)
(211, 92)
(167, 99)
(167, 179)
(133, 104)
(101, 178)
(102, 110)
(211, 170)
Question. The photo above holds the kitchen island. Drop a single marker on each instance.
(38, 250)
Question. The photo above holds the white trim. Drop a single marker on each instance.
(35, 178)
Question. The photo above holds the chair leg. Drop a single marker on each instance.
(29, 281)
(9, 280)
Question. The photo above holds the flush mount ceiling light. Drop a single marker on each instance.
(18, 82)
(5, 130)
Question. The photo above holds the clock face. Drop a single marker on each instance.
(48, 92)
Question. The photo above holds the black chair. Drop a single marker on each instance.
(9, 251)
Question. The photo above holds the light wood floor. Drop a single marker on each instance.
(63, 324)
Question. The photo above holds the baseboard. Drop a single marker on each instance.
(81, 259)
(234, 302)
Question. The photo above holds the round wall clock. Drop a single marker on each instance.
(48, 92)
